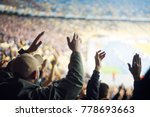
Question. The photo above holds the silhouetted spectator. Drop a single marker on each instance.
(92, 92)
(26, 70)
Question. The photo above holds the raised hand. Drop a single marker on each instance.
(54, 61)
(135, 69)
(2, 63)
(44, 64)
(74, 45)
(98, 58)
(35, 44)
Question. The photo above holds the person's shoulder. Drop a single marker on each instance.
(5, 75)
(26, 83)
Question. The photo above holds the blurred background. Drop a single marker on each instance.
(119, 27)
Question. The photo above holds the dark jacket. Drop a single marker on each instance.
(92, 92)
(142, 87)
(67, 88)
(5, 74)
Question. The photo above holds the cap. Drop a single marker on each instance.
(25, 64)
(39, 58)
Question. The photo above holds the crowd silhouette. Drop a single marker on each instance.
(25, 75)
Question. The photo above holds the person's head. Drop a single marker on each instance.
(103, 91)
(26, 66)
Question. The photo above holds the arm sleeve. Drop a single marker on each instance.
(137, 92)
(67, 88)
(93, 87)
(22, 51)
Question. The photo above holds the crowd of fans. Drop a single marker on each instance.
(27, 75)
(45, 81)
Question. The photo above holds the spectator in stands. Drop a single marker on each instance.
(135, 69)
(143, 89)
(93, 84)
(25, 68)
(141, 86)
(5, 72)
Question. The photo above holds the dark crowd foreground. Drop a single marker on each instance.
(23, 76)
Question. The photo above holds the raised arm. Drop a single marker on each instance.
(69, 87)
(74, 78)
(34, 46)
(51, 75)
(135, 70)
(93, 84)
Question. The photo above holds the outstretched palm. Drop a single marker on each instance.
(135, 69)
(98, 58)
